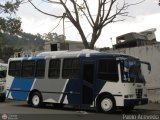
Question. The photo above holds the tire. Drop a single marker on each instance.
(106, 104)
(36, 100)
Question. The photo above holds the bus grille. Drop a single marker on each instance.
(139, 93)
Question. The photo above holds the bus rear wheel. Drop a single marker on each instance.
(36, 99)
(106, 104)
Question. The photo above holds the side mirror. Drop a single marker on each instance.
(147, 63)
(149, 67)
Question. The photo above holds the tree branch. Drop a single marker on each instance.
(76, 24)
(43, 11)
(89, 13)
(76, 11)
(85, 15)
(50, 1)
(99, 13)
(103, 10)
(135, 3)
(56, 25)
(102, 18)
(109, 11)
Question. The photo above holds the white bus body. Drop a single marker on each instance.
(84, 78)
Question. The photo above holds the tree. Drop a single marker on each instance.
(53, 37)
(106, 12)
(8, 24)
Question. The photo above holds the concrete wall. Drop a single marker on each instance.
(150, 53)
(71, 45)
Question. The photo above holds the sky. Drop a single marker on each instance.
(144, 16)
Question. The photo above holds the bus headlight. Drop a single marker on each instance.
(129, 96)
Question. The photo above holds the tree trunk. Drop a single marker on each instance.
(83, 37)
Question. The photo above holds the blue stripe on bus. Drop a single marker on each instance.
(73, 86)
(20, 88)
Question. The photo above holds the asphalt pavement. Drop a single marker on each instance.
(19, 110)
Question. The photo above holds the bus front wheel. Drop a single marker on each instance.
(106, 104)
(36, 99)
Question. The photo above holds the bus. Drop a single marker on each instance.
(85, 78)
(3, 70)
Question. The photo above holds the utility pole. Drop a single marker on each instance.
(64, 15)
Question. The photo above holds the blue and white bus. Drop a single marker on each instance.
(86, 78)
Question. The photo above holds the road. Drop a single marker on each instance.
(18, 110)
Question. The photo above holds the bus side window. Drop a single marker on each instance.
(54, 68)
(28, 68)
(15, 68)
(40, 68)
(108, 70)
(71, 68)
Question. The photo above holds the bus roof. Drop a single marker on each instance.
(81, 53)
(67, 53)
(71, 54)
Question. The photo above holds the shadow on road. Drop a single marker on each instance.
(88, 110)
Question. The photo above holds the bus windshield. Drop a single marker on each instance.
(131, 71)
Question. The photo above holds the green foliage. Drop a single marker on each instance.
(10, 6)
(20, 42)
(6, 52)
(10, 25)
(53, 37)
(24, 41)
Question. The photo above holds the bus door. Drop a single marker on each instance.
(88, 77)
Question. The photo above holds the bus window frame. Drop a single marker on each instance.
(72, 68)
(57, 69)
(19, 70)
(106, 73)
(40, 69)
(33, 73)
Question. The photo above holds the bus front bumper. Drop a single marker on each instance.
(133, 102)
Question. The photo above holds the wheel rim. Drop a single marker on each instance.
(35, 100)
(106, 104)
